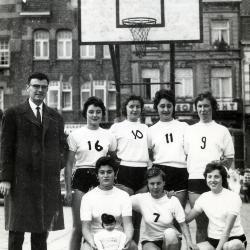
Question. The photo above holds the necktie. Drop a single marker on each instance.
(38, 115)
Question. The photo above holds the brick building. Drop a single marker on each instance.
(42, 35)
(214, 64)
(245, 44)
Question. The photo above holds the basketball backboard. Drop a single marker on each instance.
(176, 20)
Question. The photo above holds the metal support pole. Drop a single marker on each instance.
(172, 67)
(115, 58)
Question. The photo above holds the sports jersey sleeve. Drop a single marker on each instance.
(150, 138)
(235, 204)
(179, 213)
(199, 203)
(85, 209)
(228, 144)
(126, 208)
(186, 140)
(185, 128)
(72, 142)
(112, 142)
(136, 202)
(112, 130)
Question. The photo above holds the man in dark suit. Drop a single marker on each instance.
(32, 152)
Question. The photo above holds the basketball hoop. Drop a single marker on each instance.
(139, 28)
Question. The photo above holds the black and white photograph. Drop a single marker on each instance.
(124, 124)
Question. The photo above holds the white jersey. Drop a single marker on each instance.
(89, 145)
(157, 214)
(166, 139)
(132, 147)
(217, 207)
(206, 142)
(110, 240)
(96, 202)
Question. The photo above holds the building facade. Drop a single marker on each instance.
(42, 35)
(213, 65)
(245, 44)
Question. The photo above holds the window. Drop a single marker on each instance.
(64, 45)
(220, 32)
(101, 89)
(4, 53)
(54, 98)
(221, 83)
(152, 47)
(150, 78)
(147, 88)
(185, 87)
(106, 53)
(41, 44)
(87, 51)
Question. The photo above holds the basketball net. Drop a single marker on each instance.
(139, 28)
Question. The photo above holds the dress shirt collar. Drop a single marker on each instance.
(34, 106)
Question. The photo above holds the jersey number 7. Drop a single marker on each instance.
(156, 216)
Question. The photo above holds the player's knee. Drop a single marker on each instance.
(205, 246)
(234, 245)
(133, 246)
(86, 246)
(170, 236)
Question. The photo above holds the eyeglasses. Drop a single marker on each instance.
(37, 86)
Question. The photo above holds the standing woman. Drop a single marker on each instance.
(132, 150)
(132, 147)
(222, 208)
(166, 141)
(204, 142)
(86, 145)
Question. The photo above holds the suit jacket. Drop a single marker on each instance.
(31, 159)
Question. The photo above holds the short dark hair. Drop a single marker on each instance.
(132, 98)
(106, 160)
(39, 76)
(221, 168)
(206, 95)
(164, 94)
(97, 102)
(155, 171)
(108, 219)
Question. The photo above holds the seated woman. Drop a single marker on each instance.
(158, 212)
(222, 208)
(106, 199)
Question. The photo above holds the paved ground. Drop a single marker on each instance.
(59, 240)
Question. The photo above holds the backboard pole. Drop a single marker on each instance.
(115, 58)
(172, 67)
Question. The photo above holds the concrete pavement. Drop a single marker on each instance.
(59, 240)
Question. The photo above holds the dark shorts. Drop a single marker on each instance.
(83, 179)
(132, 177)
(158, 243)
(176, 178)
(198, 186)
(215, 242)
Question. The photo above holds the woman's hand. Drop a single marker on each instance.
(5, 188)
(127, 245)
(68, 197)
(192, 246)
